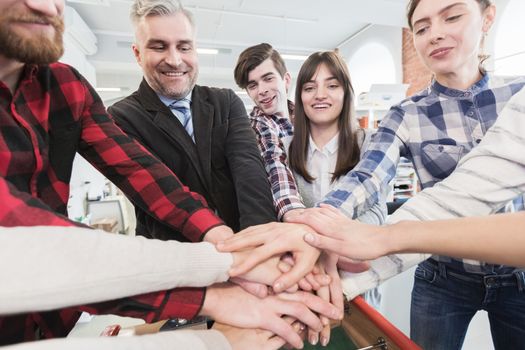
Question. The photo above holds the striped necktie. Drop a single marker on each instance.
(184, 115)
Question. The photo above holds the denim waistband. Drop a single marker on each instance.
(516, 278)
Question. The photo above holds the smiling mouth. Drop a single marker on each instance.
(321, 106)
(174, 74)
(440, 52)
(267, 101)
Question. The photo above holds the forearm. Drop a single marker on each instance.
(112, 266)
(497, 239)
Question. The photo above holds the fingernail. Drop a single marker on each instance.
(278, 287)
(313, 339)
(324, 341)
(309, 237)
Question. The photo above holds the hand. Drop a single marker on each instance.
(218, 233)
(253, 339)
(290, 213)
(230, 304)
(340, 235)
(274, 239)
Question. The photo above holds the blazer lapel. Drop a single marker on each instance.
(203, 114)
(168, 123)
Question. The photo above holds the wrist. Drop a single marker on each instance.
(395, 238)
(210, 299)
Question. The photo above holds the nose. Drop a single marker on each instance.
(436, 33)
(49, 8)
(174, 57)
(320, 93)
(262, 88)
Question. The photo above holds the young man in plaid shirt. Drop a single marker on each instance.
(261, 71)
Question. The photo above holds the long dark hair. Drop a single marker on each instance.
(348, 151)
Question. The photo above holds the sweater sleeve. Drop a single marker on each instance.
(111, 266)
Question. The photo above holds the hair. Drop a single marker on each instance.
(483, 4)
(348, 153)
(252, 57)
(144, 8)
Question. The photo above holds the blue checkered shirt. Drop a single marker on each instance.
(434, 129)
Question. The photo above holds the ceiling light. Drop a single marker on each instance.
(208, 51)
(294, 57)
(91, 2)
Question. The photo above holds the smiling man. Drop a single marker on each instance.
(260, 70)
(201, 133)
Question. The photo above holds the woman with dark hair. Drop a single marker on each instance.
(327, 144)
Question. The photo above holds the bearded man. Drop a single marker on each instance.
(48, 112)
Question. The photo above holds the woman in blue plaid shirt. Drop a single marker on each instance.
(434, 129)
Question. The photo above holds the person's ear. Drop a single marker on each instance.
(287, 81)
(136, 53)
(489, 16)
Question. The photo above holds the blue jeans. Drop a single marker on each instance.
(445, 300)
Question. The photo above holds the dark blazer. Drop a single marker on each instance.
(223, 165)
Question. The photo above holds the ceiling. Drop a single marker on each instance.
(291, 26)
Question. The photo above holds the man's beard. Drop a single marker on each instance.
(36, 49)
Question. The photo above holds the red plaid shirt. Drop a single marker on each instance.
(53, 113)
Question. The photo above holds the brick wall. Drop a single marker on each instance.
(414, 71)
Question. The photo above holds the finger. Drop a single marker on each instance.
(293, 289)
(324, 336)
(284, 330)
(324, 293)
(300, 312)
(312, 281)
(256, 257)
(326, 243)
(283, 266)
(237, 242)
(314, 303)
(257, 289)
(301, 268)
(336, 288)
(313, 337)
(304, 285)
(322, 279)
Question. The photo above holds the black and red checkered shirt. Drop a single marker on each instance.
(53, 114)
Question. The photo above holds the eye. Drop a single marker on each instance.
(333, 86)
(157, 47)
(251, 86)
(421, 31)
(453, 18)
(185, 48)
(308, 88)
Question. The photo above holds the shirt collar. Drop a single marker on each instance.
(330, 148)
(257, 112)
(481, 84)
(168, 101)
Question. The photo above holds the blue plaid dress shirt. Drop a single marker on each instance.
(434, 129)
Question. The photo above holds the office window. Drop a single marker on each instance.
(509, 48)
(371, 64)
